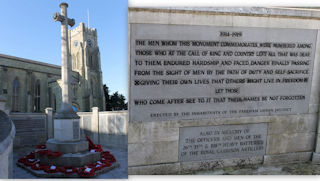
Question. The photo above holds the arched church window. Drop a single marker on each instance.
(15, 95)
(36, 107)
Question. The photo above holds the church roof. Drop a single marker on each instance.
(29, 61)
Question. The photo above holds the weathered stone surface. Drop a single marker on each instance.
(253, 11)
(68, 147)
(153, 131)
(190, 167)
(314, 95)
(149, 153)
(161, 169)
(315, 158)
(85, 124)
(115, 122)
(113, 140)
(221, 121)
(287, 158)
(317, 146)
(302, 123)
(289, 169)
(67, 129)
(287, 143)
(161, 16)
(69, 159)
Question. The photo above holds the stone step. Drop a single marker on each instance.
(71, 159)
(68, 147)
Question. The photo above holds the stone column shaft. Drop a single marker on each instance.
(66, 111)
(66, 122)
(65, 69)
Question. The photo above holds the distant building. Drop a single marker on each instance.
(31, 86)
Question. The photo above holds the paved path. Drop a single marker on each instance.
(121, 154)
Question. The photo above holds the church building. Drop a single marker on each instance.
(32, 86)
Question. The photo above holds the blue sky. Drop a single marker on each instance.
(28, 31)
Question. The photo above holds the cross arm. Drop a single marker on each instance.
(58, 17)
(71, 22)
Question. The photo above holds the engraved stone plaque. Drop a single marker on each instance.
(224, 141)
(76, 129)
(180, 72)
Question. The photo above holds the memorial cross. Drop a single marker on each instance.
(66, 111)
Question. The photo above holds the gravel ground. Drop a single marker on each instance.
(285, 169)
(120, 154)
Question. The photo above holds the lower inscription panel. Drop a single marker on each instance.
(224, 141)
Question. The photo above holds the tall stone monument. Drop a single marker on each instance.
(66, 122)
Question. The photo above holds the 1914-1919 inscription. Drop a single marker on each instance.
(225, 141)
(194, 72)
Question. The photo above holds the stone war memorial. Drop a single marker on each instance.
(75, 141)
(218, 87)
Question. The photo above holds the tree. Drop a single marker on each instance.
(114, 102)
(107, 97)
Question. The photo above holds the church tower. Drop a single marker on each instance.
(85, 59)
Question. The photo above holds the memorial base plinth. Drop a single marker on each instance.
(68, 147)
(69, 159)
(315, 158)
(66, 130)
